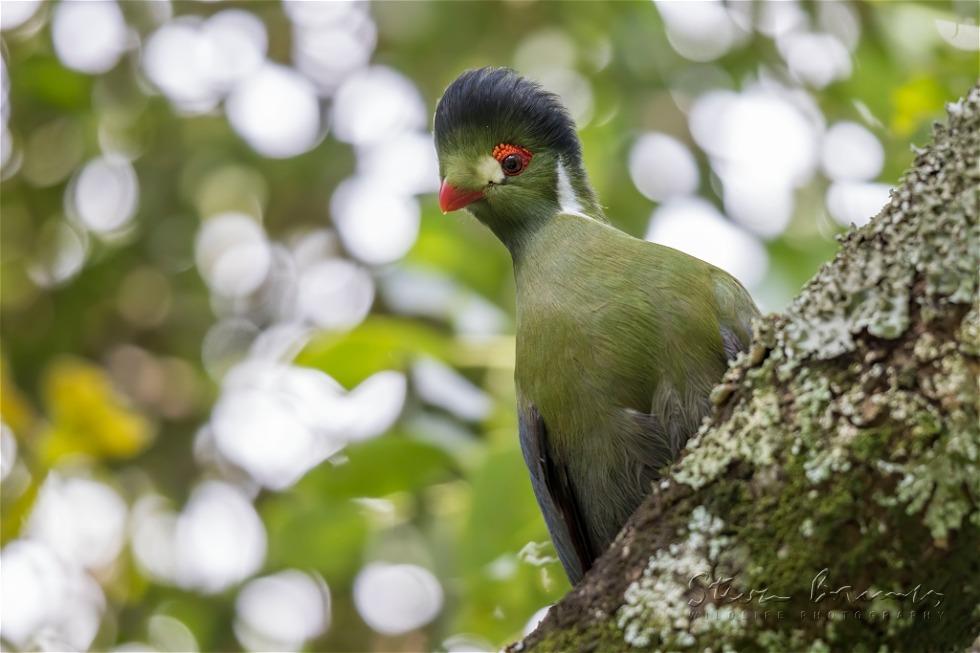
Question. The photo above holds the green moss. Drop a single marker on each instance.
(595, 637)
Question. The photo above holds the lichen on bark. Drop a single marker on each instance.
(832, 502)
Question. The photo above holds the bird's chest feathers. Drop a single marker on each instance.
(570, 363)
(554, 347)
(584, 332)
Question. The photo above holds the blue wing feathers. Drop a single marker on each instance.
(556, 497)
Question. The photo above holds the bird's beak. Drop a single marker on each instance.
(452, 198)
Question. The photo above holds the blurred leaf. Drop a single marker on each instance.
(88, 416)
(392, 463)
(465, 250)
(916, 102)
(327, 535)
(203, 615)
(15, 410)
(500, 608)
(46, 80)
(380, 343)
(504, 515)
(16, 510)
(502, 591)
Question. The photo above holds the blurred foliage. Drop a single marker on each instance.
(379, 343)
(87, 416)
(438, 490)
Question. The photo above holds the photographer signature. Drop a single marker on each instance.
(722, 591)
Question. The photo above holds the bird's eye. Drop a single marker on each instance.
(512, 164)
(513, 159)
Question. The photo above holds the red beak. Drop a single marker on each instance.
(452, 198)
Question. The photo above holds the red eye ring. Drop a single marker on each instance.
(513, 158)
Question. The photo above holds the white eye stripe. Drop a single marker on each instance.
(567, 199)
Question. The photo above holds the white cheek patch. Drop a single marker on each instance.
(567, 199)
(489, 169)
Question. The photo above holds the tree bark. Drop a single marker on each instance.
(831, 502)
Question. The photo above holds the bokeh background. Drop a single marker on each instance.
(257, 391)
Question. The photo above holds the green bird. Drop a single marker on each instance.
(619, 340)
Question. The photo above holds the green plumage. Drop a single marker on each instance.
(619, 341)
(610, 331)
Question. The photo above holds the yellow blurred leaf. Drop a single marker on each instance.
(16, 509)
(15, 409)
(88, 416)
(914, 102)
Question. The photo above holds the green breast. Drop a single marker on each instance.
(602, 319)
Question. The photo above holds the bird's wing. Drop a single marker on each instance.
(736, 311)
(555, 495)
(678, 407)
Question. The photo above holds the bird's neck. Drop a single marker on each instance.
(516, 226)
(561, 251)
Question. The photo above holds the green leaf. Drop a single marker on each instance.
(503, 518)
(463, 250)
(44, 79)
(325, 535)
(380, 343)
(378, 467)
(502, 496)
(203, 616)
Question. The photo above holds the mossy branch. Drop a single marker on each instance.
(833, 500)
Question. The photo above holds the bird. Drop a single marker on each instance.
(619, 341)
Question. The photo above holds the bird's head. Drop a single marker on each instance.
(508, 152)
